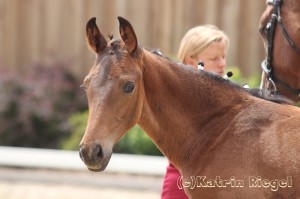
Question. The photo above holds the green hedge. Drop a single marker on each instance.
(78, 122)
(136, 141)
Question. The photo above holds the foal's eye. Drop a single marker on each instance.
(128, 87)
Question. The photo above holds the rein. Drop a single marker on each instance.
(266, 65)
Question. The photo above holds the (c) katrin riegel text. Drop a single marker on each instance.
(193, 182)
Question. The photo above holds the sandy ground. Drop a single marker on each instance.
(50, 184)
(46, 191)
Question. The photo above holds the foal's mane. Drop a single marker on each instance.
(259, 93)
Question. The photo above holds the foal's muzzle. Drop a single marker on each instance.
(93, 157)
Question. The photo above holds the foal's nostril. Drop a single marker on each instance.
(91, 155)
(81, 153)
(98, 152)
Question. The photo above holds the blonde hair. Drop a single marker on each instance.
(197, 39)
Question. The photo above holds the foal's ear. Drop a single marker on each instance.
(95, 39)
(128, 35)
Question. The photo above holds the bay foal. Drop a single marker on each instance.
(225, 142)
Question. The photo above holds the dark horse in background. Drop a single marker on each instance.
(227, 143)
(280, 30)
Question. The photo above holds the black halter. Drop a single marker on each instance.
(267, 64)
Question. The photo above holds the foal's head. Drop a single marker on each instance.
(114, 92)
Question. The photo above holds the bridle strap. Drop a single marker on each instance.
(287, 36)
(277, 15)
(286, 86)
(270, 37)
(268, 73)
(267, 64)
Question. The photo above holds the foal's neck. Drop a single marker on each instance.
(179, 106)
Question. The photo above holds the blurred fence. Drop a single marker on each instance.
(54, 30)
(69, 160)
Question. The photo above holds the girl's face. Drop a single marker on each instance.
(214, 58)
